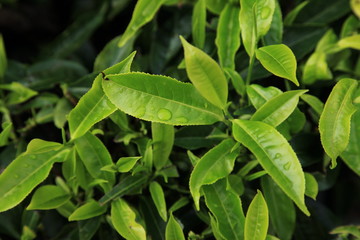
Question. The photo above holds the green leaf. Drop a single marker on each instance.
(48, 197)
(228, 36)
(124, 221)
(255, 20)
(278, 108)
(349, 229)
(28, 170)
(127, 185)
(351, 155)
(3, 59)
(66, 209)
(214, 165)
(279, 60)
(314, 103)
(94, 105)
(215, 6)
(259, 95)
(94, 155)
(215, 228)
(5, 133)
(275, 155)
(205, 74)
(311, 186)
(125, 164)
(160, 99)
(257, 219)
(281, 209)
(143, 13)
(355, 6)
(89, 210)
(163, 141)
(173, 230)
(316, 68)
(19, 93)
(291, 16)
(275, 33)
(157, 195)
(334, 124)
(350, 42)
(237, 81)
(88, 228)
(227, 208)
(179, 204)
(62, 109)
(199, 23)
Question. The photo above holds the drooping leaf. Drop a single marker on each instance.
(279, 60)
(160, 99)
(278, 108)
(228, 36)
(205, 74)
(214, 165)
(311, 186)
(89, 210)
(350, 42)
(48, 197)
(281, 209)
(316, 68)
(28, 170)
(88, 228)
(199, 23)
(349, 229)
(124, 221)
(157, 195)
(275, 155)
(143, 13)
(334, 124)
(227, 208)
(163, 141)
(257, 219)
(94, 156)
(94, 105)
(173, 230)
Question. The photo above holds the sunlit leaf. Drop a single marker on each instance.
(311, 186)
(48, 197)
(257, 219)
(157, 195)
(89, 210)
(173, 230)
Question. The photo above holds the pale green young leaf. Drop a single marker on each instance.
(3, 59)
(18, 93)
(48, 197)
(27, 233)
(163, 141)
(62, 109)
(314, 102)
(124, 220)
(5, 133)
(270, 237)
(158, 197)
(316, 68)
(278, 108)
(334, 124)
(311, 186)
(125, 164)
(173, 230)
(257, 219)
(255, 20)
(259, 95)
(350, 42)
(227, 209)
(236, 80)
(94, 105)
(275, 155)
(28, 170)
(349, 27)
(214, 165)
(228, 36)
(349, 229)
(355, 6)
(215, 6)
(279, 60)
(160, 99)
(327, 42)
(205, 74)
(143, 13)
(281, 209)
(89, 210)
(179, 204)
(199, 23)
(291, 16)
(94, 156)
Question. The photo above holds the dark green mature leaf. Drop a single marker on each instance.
(160, 99)
(291, 16)
(48, 197)
(3, 59)
(214, 165)
(281, 209)
(227, 208)
(334, 124)
(205, 74)
(275, 155)
(28, 170)
(94, 105)
(257, 219)
(199, 23)
(155, 225)
(173, 230)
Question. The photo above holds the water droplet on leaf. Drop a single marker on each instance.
(287, 166)
(16, 176)
(278, 155)
(140, 112)
(181, 120)
(32, 156)
(26, 165)
(164, 114)
(265, 12)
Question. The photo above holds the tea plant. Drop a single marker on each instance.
(238, 120)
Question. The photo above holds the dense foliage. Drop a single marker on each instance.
(203, 119)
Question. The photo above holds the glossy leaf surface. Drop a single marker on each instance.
(227, 208)
(124, 221)
(160, 99)
(125, 164)
(279, 60)
(316, 68)
(334, 124)
(157, 195)
(275, 155)
(173, 230)
(28, 170)
(257, 219)
(311, 186)
(163, 141)
(205, 74)
(89, 210)
(199, 23)
(48, 197)
(94, 105)
(214, 165)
